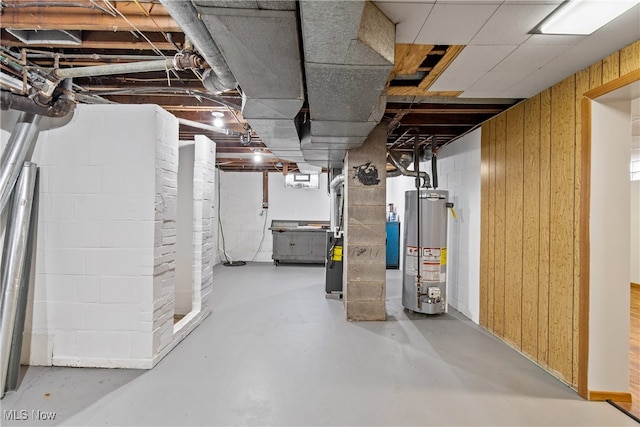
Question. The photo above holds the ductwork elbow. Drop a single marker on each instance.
(60, 108)
(336, 181)
(220, 79)
(404, 171)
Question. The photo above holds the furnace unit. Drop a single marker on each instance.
(424, 283)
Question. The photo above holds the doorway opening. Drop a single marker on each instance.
(184, 283)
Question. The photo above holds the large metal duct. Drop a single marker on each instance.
(14, 258)
(349, 53)
(259, 42)
(20, 143)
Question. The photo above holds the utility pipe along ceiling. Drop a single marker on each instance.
(300, 82)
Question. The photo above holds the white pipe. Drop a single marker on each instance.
(338, 180)
(210, 128)
(14, 255)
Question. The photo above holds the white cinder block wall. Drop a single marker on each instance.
(103, 294)
(241, 203)
(459, 173)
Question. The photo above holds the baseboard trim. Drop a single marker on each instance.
(616, 396)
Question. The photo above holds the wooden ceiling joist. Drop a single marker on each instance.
(42, 17)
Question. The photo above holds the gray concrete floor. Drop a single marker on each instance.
(276, 352)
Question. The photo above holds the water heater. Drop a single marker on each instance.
(424, 283)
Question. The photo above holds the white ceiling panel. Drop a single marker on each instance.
(479, 94)
(454, 23)
(512, 22)
(551, 39)
(497, 81)
(456, 81)
(530, 57)
(408, 17)
(480, 58)
(620, 32)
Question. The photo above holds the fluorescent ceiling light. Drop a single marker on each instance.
(583, 17)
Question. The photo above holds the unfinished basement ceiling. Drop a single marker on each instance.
(456, 64)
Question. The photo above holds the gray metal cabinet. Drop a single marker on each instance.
(299, 241)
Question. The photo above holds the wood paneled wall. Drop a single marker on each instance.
(531, 218)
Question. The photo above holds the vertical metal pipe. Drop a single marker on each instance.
(20, 144)
(416, 159)
(13, 372)
(13, 261)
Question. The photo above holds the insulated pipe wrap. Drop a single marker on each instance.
(186, 15)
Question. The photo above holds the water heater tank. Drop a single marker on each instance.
(425, 251)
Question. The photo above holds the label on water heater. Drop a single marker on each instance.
(431, 260)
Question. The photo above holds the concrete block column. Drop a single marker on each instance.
(364, 278)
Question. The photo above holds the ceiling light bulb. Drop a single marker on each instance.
(217, 122)
(583, 17)
(257, 158)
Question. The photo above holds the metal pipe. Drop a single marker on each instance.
(335, 182)
(419, 221)
(13, 261)
(111, 69)
(434, 162)
(20, 143)
(60, 108)
(406, 172)
(210, 128)
(186, 15)
(15, 355)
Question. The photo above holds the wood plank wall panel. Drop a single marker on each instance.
(629, 59)
(513, 225)
(492, 227)
(545, 132)
(595, 75)
(484, 222)
(500, 214)
(611, 67)
(561, 228)
(582, 86)
(531, 226)
(545, 237)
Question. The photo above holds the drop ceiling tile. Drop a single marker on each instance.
(454, 23)
(456, 81)
(551, 39)
(530, 57)
(480, 94)
(480, 58)
(408, 17)
(618, 33)
(497, 81)
(511, 23)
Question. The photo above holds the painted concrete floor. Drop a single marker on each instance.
(276, 352)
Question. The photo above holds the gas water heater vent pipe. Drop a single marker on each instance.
(426, 181)
(333, 186)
